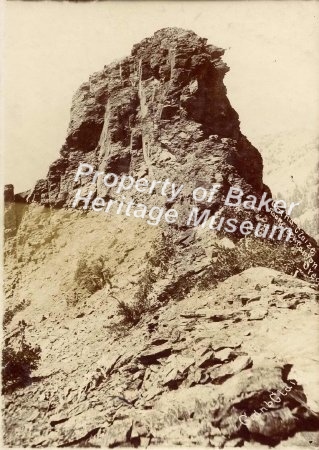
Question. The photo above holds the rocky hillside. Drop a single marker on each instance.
(196, 365)
(154, 335)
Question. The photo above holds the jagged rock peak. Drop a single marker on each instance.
(172, 38)
(161, 112)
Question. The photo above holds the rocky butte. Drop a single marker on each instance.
(161, 112)
(155, 335)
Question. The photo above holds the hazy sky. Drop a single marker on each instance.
(52, 47)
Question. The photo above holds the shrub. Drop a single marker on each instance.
(10, 313)
(92, 275)
(162, 253)
(8, 316)
(158, 263)
(131, 314)
(17, 363)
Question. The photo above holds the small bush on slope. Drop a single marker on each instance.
(10, 313)
(158, 261)
(92, 275)
(131, 314)
(17, 363)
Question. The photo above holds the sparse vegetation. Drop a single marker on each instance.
(161, 253)
(131, 314)
(249, 253)
(17, 363)
(225, 262)
(10, 313)
(92, 275)
(158, 263)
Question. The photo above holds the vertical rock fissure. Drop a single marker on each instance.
(104, 142)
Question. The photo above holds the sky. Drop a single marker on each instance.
(52, 47)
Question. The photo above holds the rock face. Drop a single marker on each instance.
(163, 113)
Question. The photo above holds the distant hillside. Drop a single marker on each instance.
(291, 170)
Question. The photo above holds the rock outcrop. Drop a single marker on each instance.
(163, 113)
(14, 208)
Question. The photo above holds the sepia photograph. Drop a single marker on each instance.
(160, 224)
